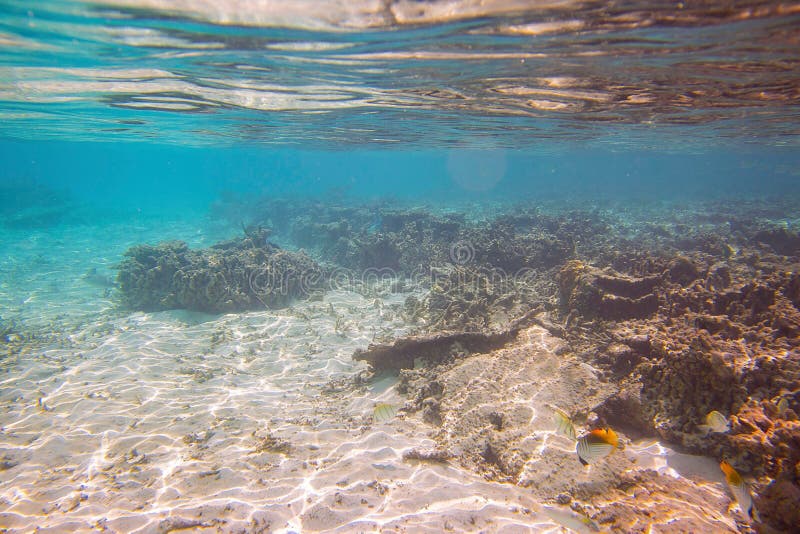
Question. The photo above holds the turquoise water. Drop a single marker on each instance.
(128, 122)
(165, 106)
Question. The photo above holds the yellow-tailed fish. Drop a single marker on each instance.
(598, 443)
(383, 412)
(783, 405)
(739, 490)
(571, 520)
(715, 422)
(563, 423)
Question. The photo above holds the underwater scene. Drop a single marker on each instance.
(495, 266)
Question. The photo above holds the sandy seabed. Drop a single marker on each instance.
(231, 424)
(248, 423)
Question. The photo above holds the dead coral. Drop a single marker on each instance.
(466, 298)
(780, 240)
(437, 348)
(266, 442)
(727, 341)
(427, 455)
(243, 274)
(605, 294)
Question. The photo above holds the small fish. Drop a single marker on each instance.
(715, 422)
(383, 412)
(563, 423)
(388, 467)
(375, 225)
(571, 520)
(92, 277)
(598, 443)
(739, 490)
(783, 405)
(43, 405)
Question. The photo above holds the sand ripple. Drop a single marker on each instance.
(226, 424)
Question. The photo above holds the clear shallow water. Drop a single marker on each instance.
(129, 122)
(339, 75)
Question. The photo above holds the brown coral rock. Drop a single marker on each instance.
(607, 295)
(728, 342)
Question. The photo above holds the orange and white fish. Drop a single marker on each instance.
(598, 443)
(739, 489)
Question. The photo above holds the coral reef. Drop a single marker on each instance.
(468, 298)
(723, 336)
(408, 240)
(650, 322)
(242, 274)
(688, 316)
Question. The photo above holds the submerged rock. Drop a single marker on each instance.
(26, 205)
(777, 504)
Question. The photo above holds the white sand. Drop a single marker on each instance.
(158, 422)
(149, 428)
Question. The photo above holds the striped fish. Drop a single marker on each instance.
(739, 490)
(598, 443)
(563, 423)
(383, 412)
(715, 422)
